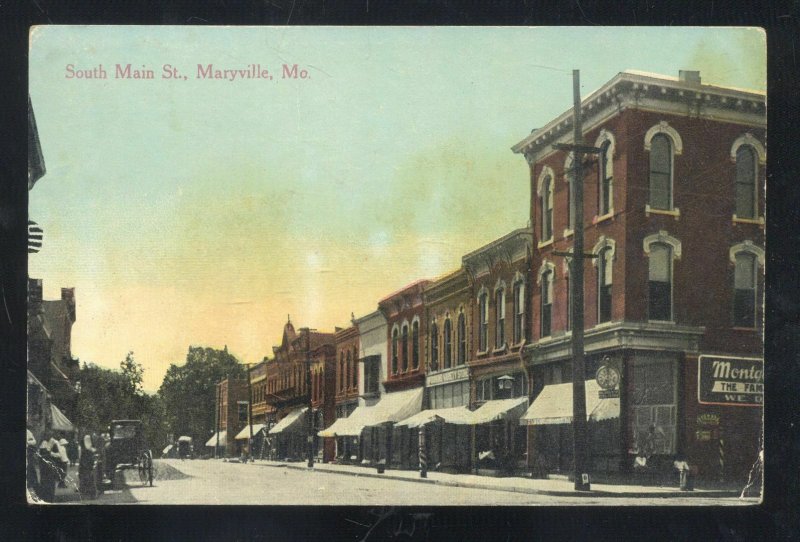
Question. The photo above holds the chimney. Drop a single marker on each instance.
(68, 295)
(691, 77)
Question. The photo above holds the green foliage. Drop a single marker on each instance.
(188, 391)
(108, 395)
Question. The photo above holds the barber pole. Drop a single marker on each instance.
(721, 459)
(423, 456)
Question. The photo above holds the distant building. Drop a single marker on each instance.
(231, 414)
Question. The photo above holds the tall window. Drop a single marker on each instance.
(462, 339)
(349, 374)
(606, 179)
(661, 172)
(394, 351)
(404, 348)
(434, 347)
(500, 307)
(744, 284)
(354, 373)
(547, 208)
(745, 189)
(604, 279)
(448, 344)
(483, 322)
(570, 178)
(547, 302)
(415, 345)
(519, 311)
(660, 282)
(340, 376)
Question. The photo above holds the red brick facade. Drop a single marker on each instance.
(405, 321)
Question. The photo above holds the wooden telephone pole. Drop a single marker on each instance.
(577, 256)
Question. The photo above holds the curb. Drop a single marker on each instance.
(709, 494)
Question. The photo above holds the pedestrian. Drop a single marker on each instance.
(49, 460)
(32, 473)
(87, 469)
(63, 461)
(73, 452)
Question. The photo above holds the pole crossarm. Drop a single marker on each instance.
(583, 149)
(572, 255)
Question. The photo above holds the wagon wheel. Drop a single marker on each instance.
(145, 467)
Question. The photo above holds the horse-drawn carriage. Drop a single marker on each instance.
(128, 449)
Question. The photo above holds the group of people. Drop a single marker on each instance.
(48, 463)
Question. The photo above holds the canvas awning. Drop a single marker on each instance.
(291, 421)
(499, 409)
(167, 450)
(554, 405)
(392, 407)
(455, 415)
(223, 439)
(244, 434)
(60, 422)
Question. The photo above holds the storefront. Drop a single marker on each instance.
(290, 435)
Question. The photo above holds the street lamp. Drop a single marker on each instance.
(506, 382)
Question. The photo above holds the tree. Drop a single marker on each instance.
(188, 391)
(133, 373)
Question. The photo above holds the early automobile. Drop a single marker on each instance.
(128, 448)
(185, 447)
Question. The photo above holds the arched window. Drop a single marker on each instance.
(500, 320)
(546, 302)
(745, 189)
(519, 311)
(547, 208)
(434, 347)
(483, 322)
(394, 351)
(404, 348)
(415, 345)
(745, 289)
(569, 177)
(448, 344)
(606, 188)
(462, 339)
(660, 282)
(354, 373)
(661, 172)
(605, 263)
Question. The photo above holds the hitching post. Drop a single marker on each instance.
(423, 456)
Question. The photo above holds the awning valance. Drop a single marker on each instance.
(60, 422)
(290, 422)
(244, 434)
(455, 415)
(223, 439)
(392, 407)
(500, 409)
(554, 405)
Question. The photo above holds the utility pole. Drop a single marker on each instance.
(310, 413)
(249, 412)
(216, 448)
(577, 257)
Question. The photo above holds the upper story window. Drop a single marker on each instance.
(605, 203)
(394, 350)
(745, 190)
(483, 321)
(349, 373)
(662, 250)
(434, 347)
(748, 154)
(404, 348)
(519, 311)
(354, 373)
(569, 177)
(462, 338)
(605, 264)
(500, 307)
(340, 375)
(415, 345)
(448, 344)
(746, 258)
(546, 302)
(371, 373)
(546, 189)
(664, 143)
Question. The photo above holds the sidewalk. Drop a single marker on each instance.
(559, 488)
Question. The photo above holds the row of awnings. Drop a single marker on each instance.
(244, 434)
(552, 406)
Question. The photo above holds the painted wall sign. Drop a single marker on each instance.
(450, 376)
(732, 381)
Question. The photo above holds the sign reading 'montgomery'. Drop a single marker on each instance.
(725, 380)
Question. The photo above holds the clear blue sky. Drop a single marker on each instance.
(203, 211)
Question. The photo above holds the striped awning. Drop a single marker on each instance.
(60, 422)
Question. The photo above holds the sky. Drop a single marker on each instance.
(204, 211)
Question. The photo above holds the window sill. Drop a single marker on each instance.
(518, 344)
(668, 322)
(500, 349)
(568, 232)
(738, 328)
(668, 212)
(759, 221)
(602, 218)
(481, 353)
(542, 244)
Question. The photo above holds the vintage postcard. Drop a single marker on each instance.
(396, 266)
